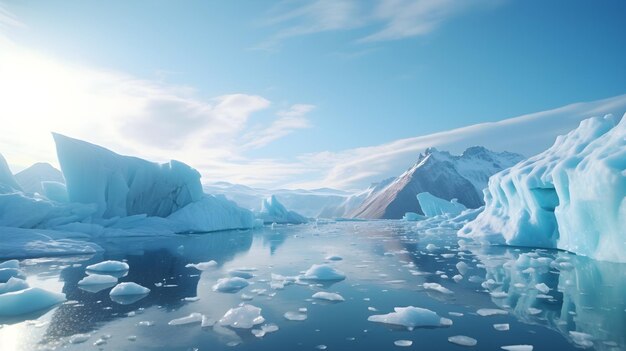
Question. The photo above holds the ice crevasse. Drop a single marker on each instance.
(571, 196)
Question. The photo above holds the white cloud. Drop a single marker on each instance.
(131, 116)
(385, 19)
(289, 121)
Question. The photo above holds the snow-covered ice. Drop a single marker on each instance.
(328, 296)
(323, 272)
(462, 340)
(570, 196)
(230, 285)
(411, 317)
(244, 317)
(202, 266)
(98, 279)
(28, 300)
(108, 266)
(129, 288)
(437, 287)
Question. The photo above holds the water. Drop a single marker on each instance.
(386, 264)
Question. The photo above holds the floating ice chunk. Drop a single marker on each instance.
(240, 273)
(517, 347)
(322, 295)
(412, 217)
(129, 288)
(411, 317)
(29, 300)
(13, 284)
(295, 316)
(457, 278)
(98, 279)
(108, 266)
(207, 322)
(542, 287)
(486, 312)
(501, 327)
(245, 317)
(8, 273)
(202, 266)
(403, 343)
(323, 272)
(433, 206)
(499, 294)
(581, 339)
(438, 288)
(334, 258)
(194, 317)
(431, 247)
(462, 340)
(79, 338)
(265, 329)
(462, 267)
(10, 264)
(230, 285)
(533, 311)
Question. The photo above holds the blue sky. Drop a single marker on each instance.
(292, 80)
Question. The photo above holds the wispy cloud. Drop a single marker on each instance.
(385, 19)
(289, 121)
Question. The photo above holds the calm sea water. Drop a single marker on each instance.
(386, 264)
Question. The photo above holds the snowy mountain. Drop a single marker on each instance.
(30, 178)
(443, 175)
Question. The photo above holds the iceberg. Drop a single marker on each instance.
(32, 178)
(328, 296)
(433, 206)
(13, 284)
(272, 211)
(108, 266)
(323, 272)
(571, 196)
(7, 181)
(211, 213)
(55, 191)
(28, 300)
(412, 217)
(123, 185)
(129, 288)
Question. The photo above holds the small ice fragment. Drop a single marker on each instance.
(244, 317)
(202, 266)
(457, 278)
(485, 312)
(403, 343)
(240, 274)
(132, 337)
(108, 266)
(322, 295)
(456, 314)
(194, 317)
(99, 342)
(498, 294)
(501, 327)
(321, 347)
(230, 285)
(437, 287)
(207, 322)
(79, 338)
(543, 288)
(462, 267)
(462, 340)
(323, 272)
(145, 323)
(129, 288)
(517, 347)
(98, 279)
(431, 247)
(533, 311)
(581, 339)
(295, 316)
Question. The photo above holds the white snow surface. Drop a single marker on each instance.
(411, 317)
(28, 300)
(571, 196)
(433, 206)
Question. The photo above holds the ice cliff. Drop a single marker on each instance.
(571, 196)
(272, 211)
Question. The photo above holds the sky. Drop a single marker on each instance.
(320, 93)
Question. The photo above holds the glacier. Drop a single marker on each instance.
(571, 196)
(272, 211)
